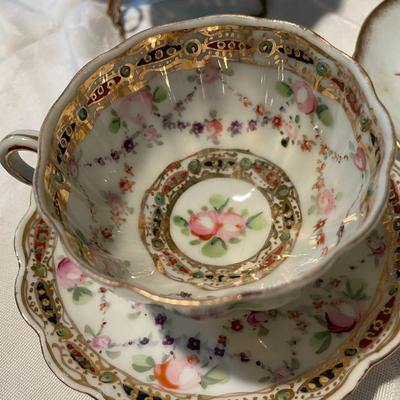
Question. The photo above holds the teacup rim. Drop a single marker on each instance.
(273, 291)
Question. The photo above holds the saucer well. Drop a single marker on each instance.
(318, 347)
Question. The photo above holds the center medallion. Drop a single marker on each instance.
(220, 218)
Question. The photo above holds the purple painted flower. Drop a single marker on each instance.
(128, 145)
(193, 344)
(144, 341)
(160, 319)
(100, 161)
(244, 357)
(179, 107)
(167, 121)
(235, 127)
(265, 120)
(197, 128)
(181, 125)
(340, 231)
(219, 352)
(168, 340)
(252, 125)
(115, 154)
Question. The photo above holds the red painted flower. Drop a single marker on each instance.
(236, 325)
(68, 274)
(320, 224)
(256, 318)
(377, 246)
(106, 233)
(260, 109)
(277, 121)
(320, 238)
(343, 315)
(214, 128)
(125, 185)
(306, 145)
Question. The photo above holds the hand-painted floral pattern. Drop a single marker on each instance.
(218, 227)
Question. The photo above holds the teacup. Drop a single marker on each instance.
(212, 164)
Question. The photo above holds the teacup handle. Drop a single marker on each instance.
(10, 146)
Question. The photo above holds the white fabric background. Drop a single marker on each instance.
(42, 45)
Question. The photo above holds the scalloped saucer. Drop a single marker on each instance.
(318, 347)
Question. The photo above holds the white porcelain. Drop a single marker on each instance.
(216, 163)
(377, 51)
(318, 347)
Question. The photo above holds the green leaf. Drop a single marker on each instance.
(263, 331)
(215, 375)
(213, 114)
(133, 316)
(164, 358)
(218, 201)
(124, 124)
(192, 78)
(179, 221)
(294, 364)
(311, 210)
(351, 146)
(115, 125)
(325, 337)
(151, 378)
(195, 242)
(113, 354)
(297, 119)
(283, 89)
(244, 213)
(142, 363)
(81, 295)
(234, 240)
(185, 231)
(89, 331)
(204, 208)
(113, 112)
(324, 115)
(159, 94)
(257, 222)
(214, 248)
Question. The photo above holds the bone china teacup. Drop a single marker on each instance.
(211, 164)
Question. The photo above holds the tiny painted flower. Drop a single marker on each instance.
(252, 125)
(193, 344)
(320, 224)
(244, 357)
(211, 72)
(128, 145)
(320, 239)
(221, 340)
(168, 340)
(144, 341)
(235, 127)
(150, 133)
(219, 351)
(181, 125)
(260, 109)
(101, 342)
(126, 185)
(106, 233)
(197, 128)
(277, 121)
(115, 155)
(305, 97)
(236, 325)
(160, 319)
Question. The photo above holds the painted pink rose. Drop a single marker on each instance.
(305, 97)
(101, 342)
(73, 167)
(181, 373)
(116, 204)
(343, 315)
(68, 274)
(214, 128)
(291, 130)
(230, 225)
(210, 73)
(360, 159)
(136, 107)
(204, 224)
(150, 134)
(226, 225)
(256, 318)
(325, 201)
(376, 246)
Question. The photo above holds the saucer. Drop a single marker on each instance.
(318, 347)
(377, 51)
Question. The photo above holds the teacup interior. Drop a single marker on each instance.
(223, 174)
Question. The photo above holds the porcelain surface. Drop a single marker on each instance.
(222, 160)
(316, 347)
(377, 49)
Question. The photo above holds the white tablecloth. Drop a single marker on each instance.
(42, 45)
